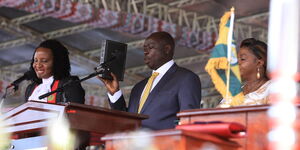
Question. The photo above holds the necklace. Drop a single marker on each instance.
(252, 86)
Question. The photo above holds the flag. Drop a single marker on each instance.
(226, 80)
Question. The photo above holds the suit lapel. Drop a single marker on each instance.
(159, 86)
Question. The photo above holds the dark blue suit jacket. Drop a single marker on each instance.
(179, 89)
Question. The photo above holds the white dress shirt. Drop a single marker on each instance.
(41, 89)
(161, 70)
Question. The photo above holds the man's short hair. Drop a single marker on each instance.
(164, 37)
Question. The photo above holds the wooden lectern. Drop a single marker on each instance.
(28, 120)
(255, 118)
(170, 139)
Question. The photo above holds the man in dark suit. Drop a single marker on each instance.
(162, 96)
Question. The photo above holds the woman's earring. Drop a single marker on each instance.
(258, 74)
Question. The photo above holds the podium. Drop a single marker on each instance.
(27, 121)
(170, 139)
(255, 118)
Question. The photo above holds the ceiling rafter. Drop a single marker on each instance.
(85, 60)
(182, 17)
(190, 19)
(115, 5)
(170, 13)
(85, 27)
(193, 20)
(10, 24)
(111, 5)
(181, 3)
(58, 33)
(68, 31)
(34, 36)
(245, 31)
(49, 35)
(255, 16)
(27, 18)
(167, 12)
(26, 35)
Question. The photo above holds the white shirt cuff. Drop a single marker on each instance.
(115, 97)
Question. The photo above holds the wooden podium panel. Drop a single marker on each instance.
(101, 120)
(255, 118)
(31, 116)
(171, 139)
(28, 120)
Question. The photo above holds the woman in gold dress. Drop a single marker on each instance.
(252, 59)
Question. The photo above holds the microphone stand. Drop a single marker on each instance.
(3, 97)
(101, 69)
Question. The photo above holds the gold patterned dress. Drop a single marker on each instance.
(258, 97)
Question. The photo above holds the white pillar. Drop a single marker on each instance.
(283, 51)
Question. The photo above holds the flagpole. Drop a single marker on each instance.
(229, 48)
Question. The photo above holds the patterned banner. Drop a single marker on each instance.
(136, 24)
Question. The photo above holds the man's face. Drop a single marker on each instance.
(155, 54)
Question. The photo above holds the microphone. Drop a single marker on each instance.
(27, 76)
